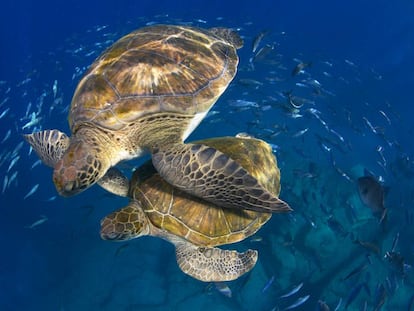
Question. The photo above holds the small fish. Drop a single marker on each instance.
(4, 112)
(372, 247)
(336, 226)
(300, 84)
(354, 293)
(42, 219)
(300, 133)
(299, 68)
(350, 63)
(293, 291)
(13, 178)
(54, 88)
(322, 306)
(38, 162)
(300, 301)
(5, 100)
(256, 239)
(31, 192)
(293, 101)
(395, 242)
(337, 135)
(257, 40)
(33, 121)
(5, 183)
(7, 136)
(385, 116)
(268, 284)
(223, 288)
(262, 52)
(17, 149)
(250, 82)
(13, 162)
(243, 103)
(356, 271)
(397, 262)
(380, 297)
(52, 198)
(369, 124)
(338, 305)
(198, 20)
(371, 193)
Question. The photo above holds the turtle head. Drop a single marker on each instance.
(80, 167)
(127, 223)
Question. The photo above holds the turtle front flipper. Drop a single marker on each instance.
(210, 174)
(115, 182)
(213, 264)
(49, 145)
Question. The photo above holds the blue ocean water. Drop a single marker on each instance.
(352, 113)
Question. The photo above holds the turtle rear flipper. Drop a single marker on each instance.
(214, 264)
(210, 174)
(49, 145)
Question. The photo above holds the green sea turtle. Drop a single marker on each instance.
(147, 93)
(193, 225)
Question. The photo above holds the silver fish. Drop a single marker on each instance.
(322, 306)
(54, 88)
(12, 178)
(268, 284)
(354, 293)
(31, 192)
(223, 289)
(300, 133)
(356, 271)
(338, 305)
(4, 112)
(299, 68)
(42, 219)
(385, 116)
(33, 121)
(4, 101)
(243, 103)
(300, 301)
(293, 291)
(5, 183)
(13, 162)
(395, 242)
(257, 40)
(17, 149)
(373, 129)
(52, 198)
(352, 64)
(7, 136)
(35, 164)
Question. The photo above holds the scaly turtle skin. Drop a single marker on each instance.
(194, 225)
(147, 93)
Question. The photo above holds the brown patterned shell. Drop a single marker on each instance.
(161, 68)
(198, 221)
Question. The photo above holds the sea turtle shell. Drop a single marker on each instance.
(199, 221)
(155, 69)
